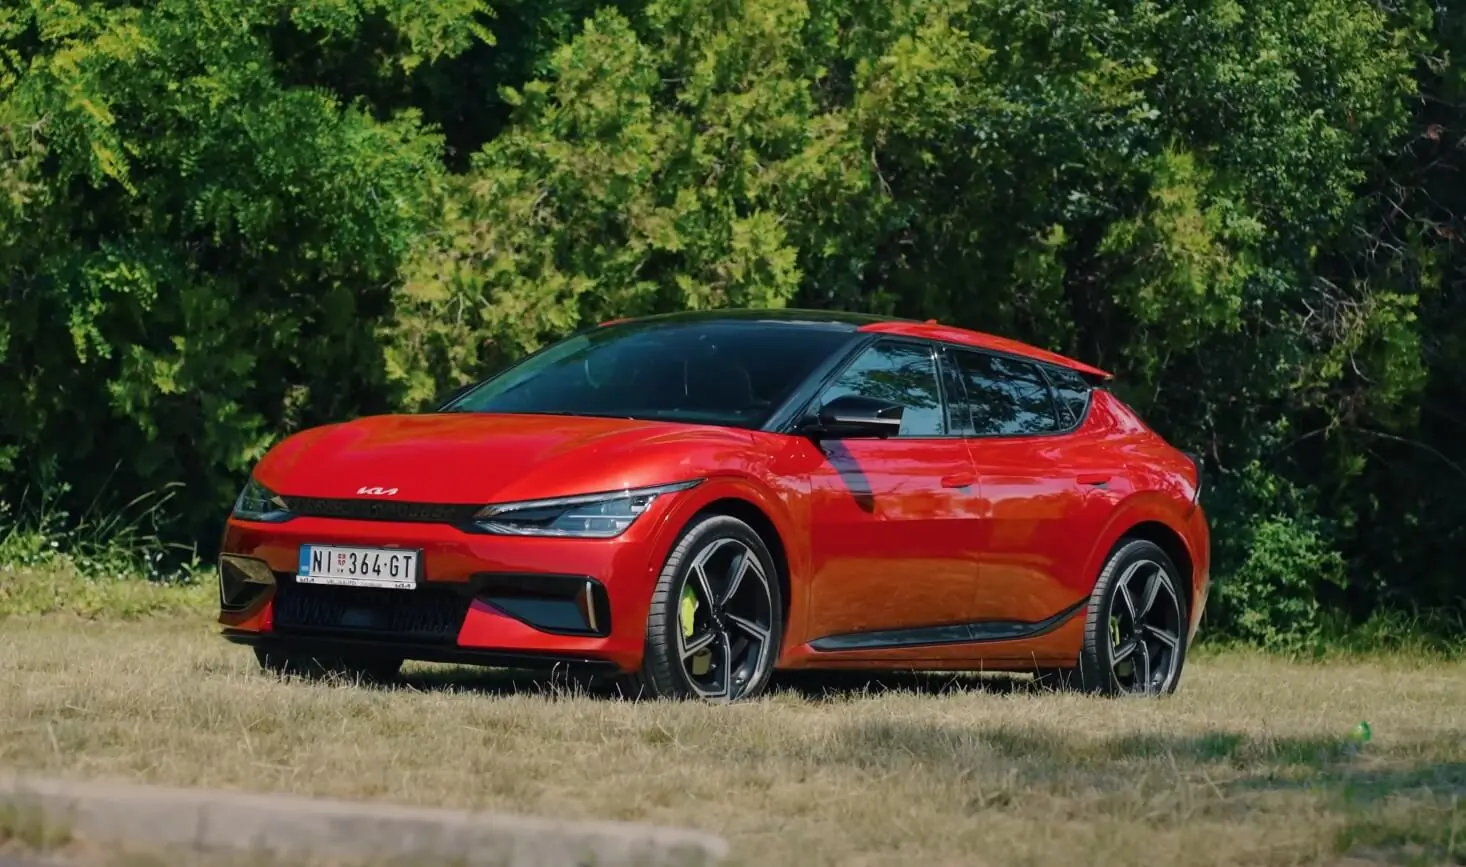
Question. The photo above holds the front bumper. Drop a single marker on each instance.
(480, 599)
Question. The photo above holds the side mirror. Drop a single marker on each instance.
(853, 415)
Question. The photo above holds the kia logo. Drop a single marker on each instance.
(377, 492)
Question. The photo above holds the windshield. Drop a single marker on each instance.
(705, 372)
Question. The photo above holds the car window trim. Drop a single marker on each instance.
(1048, 384)
(950, 376)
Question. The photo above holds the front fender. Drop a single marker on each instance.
(775, 506)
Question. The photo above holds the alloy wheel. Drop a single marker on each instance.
(1145, 629)
(725, 620)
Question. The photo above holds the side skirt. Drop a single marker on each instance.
(980, 632)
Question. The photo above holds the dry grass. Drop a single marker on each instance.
(1250, 763)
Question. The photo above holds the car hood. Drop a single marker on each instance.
(484, 458)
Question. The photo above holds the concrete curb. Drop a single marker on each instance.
(289, 824)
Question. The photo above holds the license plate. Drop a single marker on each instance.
(392, 568)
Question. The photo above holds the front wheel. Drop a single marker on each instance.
(715, 622)
(1136, 628)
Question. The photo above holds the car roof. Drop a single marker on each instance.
(872, 323)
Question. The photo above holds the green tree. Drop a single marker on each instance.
(195, 248)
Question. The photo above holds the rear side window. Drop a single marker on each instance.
(1072, 394)
(1007, 397)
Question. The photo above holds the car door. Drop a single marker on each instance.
(1042, 504)
(894, 520)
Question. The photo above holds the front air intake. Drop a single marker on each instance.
(428, 614)
(560, 604)
(243, 581)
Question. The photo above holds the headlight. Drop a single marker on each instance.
(592, 516)
(258, 503)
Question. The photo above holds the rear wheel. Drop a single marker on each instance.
(1135, 631)
(715, 622)
(372, 669)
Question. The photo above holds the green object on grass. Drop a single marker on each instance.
(1363, 733)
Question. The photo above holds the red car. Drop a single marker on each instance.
(692, 501)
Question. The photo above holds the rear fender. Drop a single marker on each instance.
(1144, 507)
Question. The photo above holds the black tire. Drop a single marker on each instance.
(365, 669)
(1136, 568)
(733, 623)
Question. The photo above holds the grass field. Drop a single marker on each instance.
(1250, 763)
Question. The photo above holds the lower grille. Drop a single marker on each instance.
(425, 615)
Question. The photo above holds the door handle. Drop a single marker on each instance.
(959, 480)
(1098, 480)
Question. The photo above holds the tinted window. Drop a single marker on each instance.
(730, 373)
(903, 373)
(1007, 397)
(1072, 393)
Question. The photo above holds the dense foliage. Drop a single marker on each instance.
(222, 220)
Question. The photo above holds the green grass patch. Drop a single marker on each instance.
(125, 542)
(1387, 636)
(27, 826)
(97, 565)
(59, 587)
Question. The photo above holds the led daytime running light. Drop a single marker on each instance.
(597, 516)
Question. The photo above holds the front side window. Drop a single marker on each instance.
(902, 373)
(1007, 397)
(701, 372)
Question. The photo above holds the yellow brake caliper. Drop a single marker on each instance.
(1115, 641)
(703, 660)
